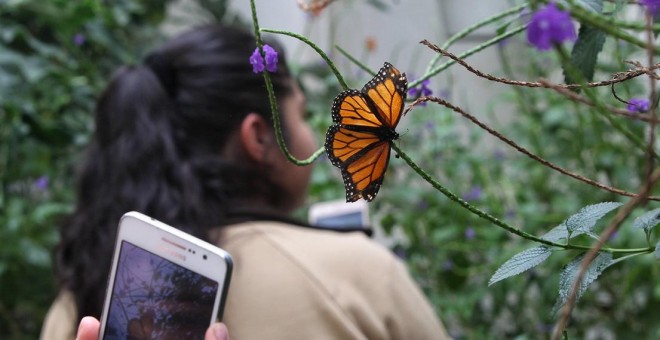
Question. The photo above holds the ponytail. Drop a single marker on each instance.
(156, 149)
(132, 164)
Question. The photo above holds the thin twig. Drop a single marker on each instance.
(618, 77)
(468, 30)
(521, 149)
(277, 122)
(476, 49)
(578, 98)
(621, 215)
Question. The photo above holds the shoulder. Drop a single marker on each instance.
(60, 320)
(320, 246)
(343, 285)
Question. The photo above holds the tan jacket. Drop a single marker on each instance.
(291, 282)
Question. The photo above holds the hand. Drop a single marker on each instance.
(89, 330)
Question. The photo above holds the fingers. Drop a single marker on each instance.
(88, 329)
(217, 331)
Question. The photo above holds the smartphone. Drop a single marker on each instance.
(164, 283)
(339, 214)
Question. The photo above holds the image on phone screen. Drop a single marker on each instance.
(154, 298)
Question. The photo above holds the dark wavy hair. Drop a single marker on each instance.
(160, 129)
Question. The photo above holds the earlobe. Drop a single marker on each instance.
(256, 136)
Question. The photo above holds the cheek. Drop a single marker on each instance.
(303, 141)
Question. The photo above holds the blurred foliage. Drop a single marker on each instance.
(453, 253)
(55, 57)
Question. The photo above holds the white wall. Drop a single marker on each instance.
(397, 32)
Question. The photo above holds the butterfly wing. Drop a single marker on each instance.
(352, 108)
(360, 141)
(362, 156)
(387, 91)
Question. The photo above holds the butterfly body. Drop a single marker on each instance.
(359, 141)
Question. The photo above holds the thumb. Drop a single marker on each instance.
(88, 329)
(217, 331)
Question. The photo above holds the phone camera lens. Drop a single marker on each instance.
(204, 257)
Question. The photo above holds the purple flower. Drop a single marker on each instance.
(651, 5)
(448, 265)
(78, 39)
(550, 25)
(41, 183)
(257, 60)
(422, 90)
(469, 233)
(638, 105)
(472, 195)
(271, 58)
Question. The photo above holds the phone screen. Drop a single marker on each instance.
(154, 298)
(352, 219)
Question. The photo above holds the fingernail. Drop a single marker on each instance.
(219, 332)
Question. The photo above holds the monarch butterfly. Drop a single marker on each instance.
(360, 139)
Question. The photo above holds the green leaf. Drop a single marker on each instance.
(585, 219)
(648, 220)
(521, 262)
(657, 251)
(557, 233)
(570, 272)
(585, 52)
(592, 5)
(618, 5)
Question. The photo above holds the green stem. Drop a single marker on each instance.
(355, 61)
(277, 121)
(467, 205)
(498, 222)
(604, 24)
(318, 50)
(578, 78)
(470, 29)
(623, 258)
(468, 53)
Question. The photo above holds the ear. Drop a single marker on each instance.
(256, 137)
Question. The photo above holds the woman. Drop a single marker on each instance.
(187, 138)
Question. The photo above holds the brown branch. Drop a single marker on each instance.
(623, 213)
(618, 77)
(578, 98)
(521, 149)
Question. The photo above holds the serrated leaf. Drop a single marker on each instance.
(648, 220)
(521, 262)
(585, 51)
(557, 233)
(585, 219)
(570, 272)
